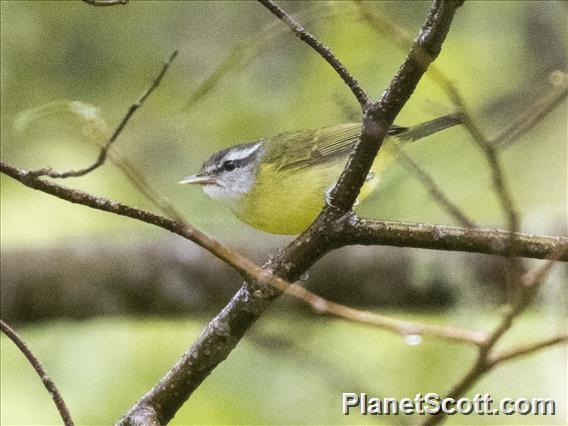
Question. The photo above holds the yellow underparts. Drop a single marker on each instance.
(287, 201)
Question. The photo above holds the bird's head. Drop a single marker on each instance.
(229, 174)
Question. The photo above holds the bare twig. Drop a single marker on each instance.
(493, 160)
(535, 113)
(500, 357)
(99, 203)
(500, 186)
(435, 191)
(381, 24)
(46, 380)
(518, 128)
(257, 43)
(523, 124)
(380, 115)
(357, 231)
(320, 48)
(486, 360)
(250, 270)
(445, 237)
(156, 198)
(400, 327)
(106, 2)
(104, 149)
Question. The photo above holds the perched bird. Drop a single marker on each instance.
(278, 184)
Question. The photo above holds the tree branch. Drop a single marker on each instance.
(46, 380)
(320, 48)
(445, 237)
(106, 2)
(241, 264)
(486, 360)
(500, 357)
(380, 115)
(223, 332)
(356, 230)
(400, 327)
(435, 192)
(536, 112)
(133, 108)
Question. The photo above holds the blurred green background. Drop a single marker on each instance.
(294, 365)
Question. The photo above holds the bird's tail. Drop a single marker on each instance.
(425, 129)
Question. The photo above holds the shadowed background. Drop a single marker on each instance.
(145, 295)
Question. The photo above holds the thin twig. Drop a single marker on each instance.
(381, 24)
(379, 116)
(523, 124)
(514, 131)
(357, 231)
(320, 48)
(435, 191)
(399, 327)
(156, 198)
(104, 149)
(500, 186)
(535, 113)
(106, 2)
(500, 357)
(251, 271)
(247, 49)
(518, 128)
(45, 379)
(492, 156)
(486, 360)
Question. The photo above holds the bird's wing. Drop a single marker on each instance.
(311, 147)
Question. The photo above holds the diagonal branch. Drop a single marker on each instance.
(397, 326)
(499, 357)
(223, 333)
(536, 112)
(380, 115)
(355, 231)
(320, 48)
(491, 153)
(486, 359)
(435, 191)
(46, 380)
(529, 119)
(105, 148)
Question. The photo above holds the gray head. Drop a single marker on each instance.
(229, 173)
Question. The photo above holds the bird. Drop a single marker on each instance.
(279, 184)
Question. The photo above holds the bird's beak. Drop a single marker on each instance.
(199, 179)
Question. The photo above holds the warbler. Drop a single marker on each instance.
(278, 184)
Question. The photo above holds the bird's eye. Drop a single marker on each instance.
(229, 166)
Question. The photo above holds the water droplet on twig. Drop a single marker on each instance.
(413, 339)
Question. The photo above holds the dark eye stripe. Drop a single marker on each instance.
(230, 165)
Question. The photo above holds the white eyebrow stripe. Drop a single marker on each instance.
(243, 153)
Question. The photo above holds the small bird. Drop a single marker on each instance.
(279, 184)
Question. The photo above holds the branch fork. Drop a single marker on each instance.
(336, 226)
